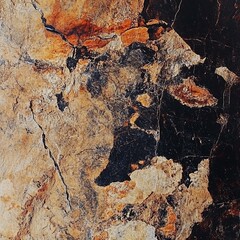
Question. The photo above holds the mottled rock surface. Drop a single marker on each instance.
(113, 125)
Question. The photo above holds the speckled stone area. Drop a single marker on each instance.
(120, 120)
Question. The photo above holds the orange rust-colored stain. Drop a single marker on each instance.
(29, 206)
(42, 191)
(158, 33)
(125, 124)
(120, 27)
(54, 47)
(135, 35)
(82, 89)
(122, 190)
(134, 167)
(188, 93)
(77, 30)
(95, 43)
(25, 139)
(101, 236)
(170, 228)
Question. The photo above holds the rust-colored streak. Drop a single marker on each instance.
(191, 95)
(31, 204)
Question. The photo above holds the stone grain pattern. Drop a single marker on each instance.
(106, 131)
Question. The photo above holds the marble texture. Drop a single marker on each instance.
(117, 122)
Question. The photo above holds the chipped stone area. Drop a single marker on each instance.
(90, 95)
(155, 196)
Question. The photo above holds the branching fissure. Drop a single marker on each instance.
(48, 27)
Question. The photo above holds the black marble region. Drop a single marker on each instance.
(187, 135)
(212, 29)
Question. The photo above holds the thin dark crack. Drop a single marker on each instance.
(48, 27)
(56, 165)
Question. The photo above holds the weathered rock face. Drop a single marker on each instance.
(106, 130)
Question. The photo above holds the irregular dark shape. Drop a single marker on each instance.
(212, 30)
(78, 53)
(155, 30)
(170, 200)
(71, 63)
(128, 212)
(52, 29)
(62, 104)
(95, 83)
(187, 134)
(162, 215)
(221, 221)
(134, 90)
(130, 146)
(160, 9)
(103, 57)
(148, 118)
(137, 55)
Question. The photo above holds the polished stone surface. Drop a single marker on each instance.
(119, 119)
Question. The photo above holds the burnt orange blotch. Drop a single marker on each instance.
(134, 167)
(156, 30)
(158, 33)
(25, 139)
(101, 236)
(170, 228)
(121, 191)
(139, 34)
(77, 30)
(95, 43)
(82, 89)
(191, 95)
(54, 47)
